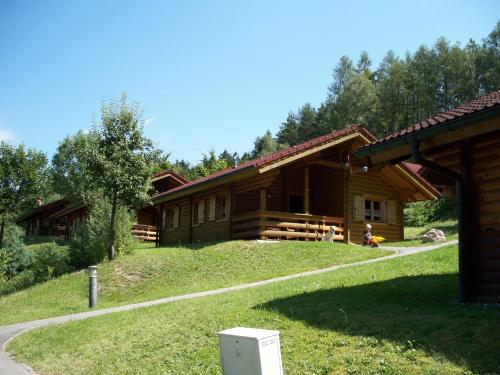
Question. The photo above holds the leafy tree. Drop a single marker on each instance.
(120, 165)
(23, 178)
(70, 173)
(184, 168)
(342, 72)
(210, 164)
(401, 91)
(364, 64)
(14, 251)
(265, 145)
(289, 131)
(358, 103)
(231, 159)
(88, 242)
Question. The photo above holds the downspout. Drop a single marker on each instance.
(462, 230)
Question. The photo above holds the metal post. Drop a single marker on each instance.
(92, 286)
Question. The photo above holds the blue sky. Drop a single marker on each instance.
(208, 74)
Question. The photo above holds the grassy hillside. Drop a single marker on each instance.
(152, 273)
(399, 316)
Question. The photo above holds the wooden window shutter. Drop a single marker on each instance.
(163, 218)
(176, 217)
(383, 211)
(228, 205)
(392, 213)
(359, 208)
(201, 211)
(211, 208)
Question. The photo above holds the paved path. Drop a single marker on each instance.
(7, 333)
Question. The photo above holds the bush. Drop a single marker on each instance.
(82, 253)
(4, 259)
(16, 257)
(419, 214)
(22, 280)
(49, 261)
(89, 242)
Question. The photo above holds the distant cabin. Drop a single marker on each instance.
(60, 218)
(461, 151)
(37, 222)
(297, 193)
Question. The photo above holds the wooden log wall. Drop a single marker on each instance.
(485, 165)
(181, 234)
(484, 197)
(372, 185)
(327, 191)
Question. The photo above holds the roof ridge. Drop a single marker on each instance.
(471, 107)
(275, 156)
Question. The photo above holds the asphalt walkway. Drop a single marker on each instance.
(7, 333)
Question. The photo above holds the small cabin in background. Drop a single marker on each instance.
(60, 218)
(146, 228)
(37, 222)
(462, 147)
(296, 193)
(67, 219)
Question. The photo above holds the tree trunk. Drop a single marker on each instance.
(2, 228)
(111, 250)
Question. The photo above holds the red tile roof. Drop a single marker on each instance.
(44, 207)
(416, 169)
(167, 172)
(481, 104)
(276, 156)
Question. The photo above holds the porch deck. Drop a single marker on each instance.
(284, 225)
(144, 232)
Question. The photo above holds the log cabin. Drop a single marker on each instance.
(462, 145)
(59, 218)
(37, 222)
(295, 194)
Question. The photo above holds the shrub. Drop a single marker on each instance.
(4, 259)
(421, 213)
(22, 280)
(49, 261)
(81, 252)
(90, 241)
(16, 257)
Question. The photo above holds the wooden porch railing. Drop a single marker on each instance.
(284, 225)
(144, 232)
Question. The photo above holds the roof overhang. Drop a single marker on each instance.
(67, 210)
(255, 169)
(399, 149)
(249, 171)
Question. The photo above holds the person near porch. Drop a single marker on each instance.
(368, 239)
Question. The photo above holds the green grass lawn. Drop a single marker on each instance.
(152, 273)
(413, 234)
(398, 316)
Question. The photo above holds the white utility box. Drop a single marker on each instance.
(250, 351)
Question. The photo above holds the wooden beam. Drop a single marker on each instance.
(306, 190)
(329, 163)
(263, 199)
(427, 146)
(311, 151)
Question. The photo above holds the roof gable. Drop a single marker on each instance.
(484, 105)
(265, 163)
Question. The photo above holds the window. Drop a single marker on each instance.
(373, 210)
(198, 212)
(171, 218)
(222, 207)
